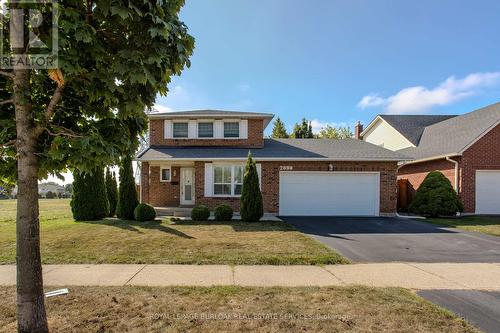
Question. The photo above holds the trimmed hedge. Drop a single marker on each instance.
(251, 206)
(144, 212)
(436, 197)
(89, 201)
(200, 213)
(127, 193)
(223, 213)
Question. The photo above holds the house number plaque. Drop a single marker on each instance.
(286, 168)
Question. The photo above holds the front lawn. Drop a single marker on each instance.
(237, 309)
(484, 224)
(64, 241)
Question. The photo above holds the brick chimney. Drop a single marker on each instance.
(357, 130)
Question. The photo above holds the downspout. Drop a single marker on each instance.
(456, 172)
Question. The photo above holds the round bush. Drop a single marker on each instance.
(223, 213)
(436, 197)
(144, 212)
(200, 213)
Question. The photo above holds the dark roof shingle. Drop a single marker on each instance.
(412, 126)
(347, 149)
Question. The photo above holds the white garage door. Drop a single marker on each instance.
(329, 193)
(487, 192)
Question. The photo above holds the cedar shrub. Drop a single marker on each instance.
(112, 192)
(251, 206)
(127, 193)
(89, 201)
(436, 197)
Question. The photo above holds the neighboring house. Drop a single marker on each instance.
(465, 148)
(44, 188)
(198, 157)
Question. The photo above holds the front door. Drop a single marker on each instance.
(187, 186)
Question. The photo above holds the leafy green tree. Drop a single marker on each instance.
(436, 197)
(127, 193)
(279, 130)
(251, 206)
(111, 191)
(89, 201)
(330, 132)
(50, 195)
(114, 58)
(303, 130)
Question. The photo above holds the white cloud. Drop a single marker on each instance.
(162, 108)
(244, 87)
(318, 125)
(420, 99)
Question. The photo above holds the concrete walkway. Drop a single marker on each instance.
(421, 276)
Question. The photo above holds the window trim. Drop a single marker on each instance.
(232, 184)
(198, 129)
(161, 174)
(231, 122)
(173, 129)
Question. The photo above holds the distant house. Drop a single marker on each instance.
(465, 148)
(44, 188)
(198, 157)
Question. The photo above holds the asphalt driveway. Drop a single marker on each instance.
(384, 239)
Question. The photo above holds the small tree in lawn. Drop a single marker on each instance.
(127, 194)
(89, 201)
(436, 197)
(251, 207)
(112, 192)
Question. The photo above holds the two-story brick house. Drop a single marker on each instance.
(198, 157)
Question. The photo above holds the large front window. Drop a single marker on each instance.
(228, 180)
(205, 130)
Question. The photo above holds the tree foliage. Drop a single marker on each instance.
(111, 191)
(89, 201)
(279, 129)
(127, 193)
(331, 132)
(436, 197)
(251, 205)
(114, 58)
(303, 130)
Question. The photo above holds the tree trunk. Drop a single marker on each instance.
(31, 316)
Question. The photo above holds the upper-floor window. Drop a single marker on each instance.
(205, 130)
(180, 130)
(231, 129)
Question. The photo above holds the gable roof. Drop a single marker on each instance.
(412, 126)
(281, 149)
(453, 136)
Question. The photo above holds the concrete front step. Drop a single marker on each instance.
(174, 211)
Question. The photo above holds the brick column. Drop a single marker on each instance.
(144, 182)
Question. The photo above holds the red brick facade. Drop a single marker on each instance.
(482, 155)
(167, 194)
(255, 137)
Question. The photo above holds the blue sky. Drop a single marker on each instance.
(340, 61)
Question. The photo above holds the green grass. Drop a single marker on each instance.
(64, 241)
(237, 309)
(484, 224)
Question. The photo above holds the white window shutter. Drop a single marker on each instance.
(259, 172)
(209, 186)
(244, 129)
(218, 129)
(167, 129)
(192, 129)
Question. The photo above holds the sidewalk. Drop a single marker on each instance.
(474, 276)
